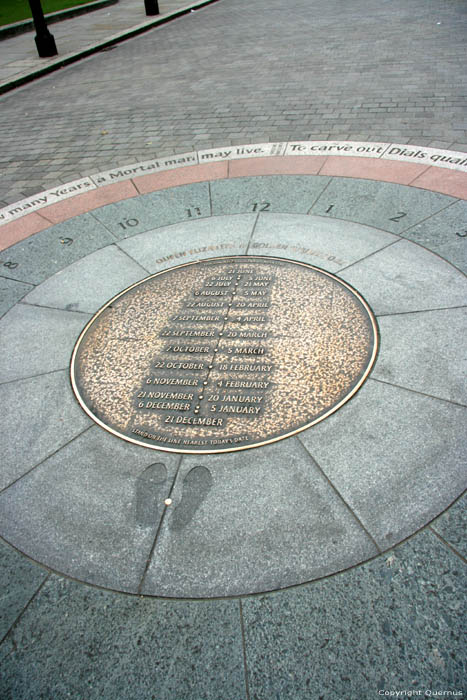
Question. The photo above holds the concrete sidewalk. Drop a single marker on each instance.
(81, 36)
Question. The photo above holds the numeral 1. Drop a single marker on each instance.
(196, 210)
(261, 206)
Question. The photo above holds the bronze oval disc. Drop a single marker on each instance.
(224, 354)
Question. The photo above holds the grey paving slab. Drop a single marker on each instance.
(330, 244)
(425, 352)
(19, 580)
(451, 526)
(405, 277)
(33, 428)
(445, 233)
(11, 291)
(41, 255)
(252, 521)
(388, 206)
(88, 283)
(304, 643)
(396, 457)
(123, 647)
(191, 240)
(92, 509)
(150, 211)
(5, 649)
(35, 340)
(273, 193)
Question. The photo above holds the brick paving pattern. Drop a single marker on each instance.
(240, 71)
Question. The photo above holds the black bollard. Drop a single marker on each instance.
(44, 40)
(151, 7)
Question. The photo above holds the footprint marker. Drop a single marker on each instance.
(196, 486)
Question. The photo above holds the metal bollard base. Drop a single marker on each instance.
(151, 7)
(45, 45)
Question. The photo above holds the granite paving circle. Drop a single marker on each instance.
(94, 507)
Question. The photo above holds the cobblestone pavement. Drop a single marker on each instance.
(240, 71)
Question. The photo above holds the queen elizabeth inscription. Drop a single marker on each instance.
(224, 354)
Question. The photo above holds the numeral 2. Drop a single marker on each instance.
(400, 215)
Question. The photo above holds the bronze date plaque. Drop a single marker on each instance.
(224, 354)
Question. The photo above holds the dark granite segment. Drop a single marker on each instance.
(5, 650)
(274, 193)
(32, 428)
(386, 205)
(11, 292)
(139, 214)
(78, 642)
(19, 581)
(91, 510)
(82, 286)
(445, 233)
(36, 340)
(41, 255)
(451, 525)
(425, 351)
(252, 521)
(405, 277)
(396, 456)
(392, 624)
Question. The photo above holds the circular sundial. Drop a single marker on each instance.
(224, 354)
(290, 281)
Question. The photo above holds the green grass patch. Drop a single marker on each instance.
(16, 10)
